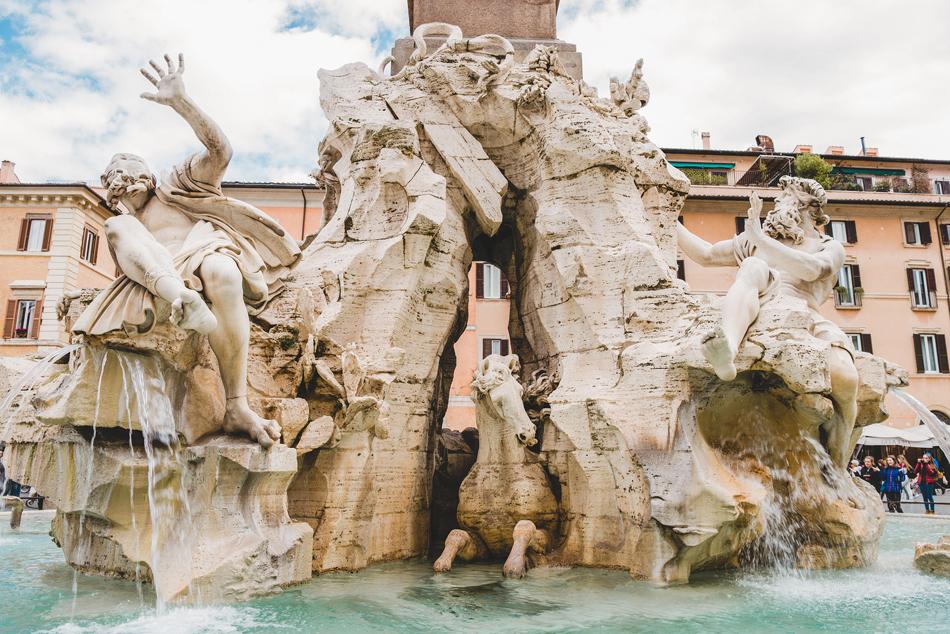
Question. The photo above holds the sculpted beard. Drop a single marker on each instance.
(784, 223)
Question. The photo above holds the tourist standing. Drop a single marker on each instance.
(892, 484)
(870, 474)
(927, 476)
(908, 469)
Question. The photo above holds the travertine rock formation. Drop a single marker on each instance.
(934, 558)
(653, 463)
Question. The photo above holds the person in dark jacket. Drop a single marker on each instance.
(870, 474)
(892, 484)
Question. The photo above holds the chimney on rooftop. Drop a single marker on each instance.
(836, 150)
(802, 149)
(7, 175)
(707, 144)
(765, 142)
(871, 151)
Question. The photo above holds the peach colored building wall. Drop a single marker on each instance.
(45, 275)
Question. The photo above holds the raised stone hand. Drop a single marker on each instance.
(754, 223)
(170, 85)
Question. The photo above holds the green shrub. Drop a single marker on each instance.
(883, 185)
(815, 167)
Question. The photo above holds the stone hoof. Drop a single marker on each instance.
(238, 418)
(720, 354)
(443, 563)
(457, 542)
(516, 567)
(191, 313)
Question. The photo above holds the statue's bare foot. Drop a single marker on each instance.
(720, 354)
(191, 313)
(238, 418)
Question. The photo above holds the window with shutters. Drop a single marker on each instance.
(922, 284)
(740, 224)
(942, 187)
(928, 353)
(35, 233)
(945, 234)
(681, 270)
(917, 233)
(494, 346)
(490, 282)
(848, 290)
(861, 341)
(88, 249)
(844, 231)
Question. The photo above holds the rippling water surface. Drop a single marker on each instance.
(36, 595)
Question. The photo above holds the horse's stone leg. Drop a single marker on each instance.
(527, 538)
(458, 543)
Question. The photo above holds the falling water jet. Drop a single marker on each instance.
(940, 430)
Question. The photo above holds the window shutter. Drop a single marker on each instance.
(47, 234)
(910, 280)
(942, 354)
(931, 279)
(828, 231)
(24, 231)
(37, 319)
(851, 230)
(95, 248)
(909, 232)
(9, 323)
(681, 270)
(479, 280)
(925, 237)
(740, 224)
(866, 343)
(486, 347)
(856, 275)
(505, 287)
(945, 233)
(506, 350)
(919, 354)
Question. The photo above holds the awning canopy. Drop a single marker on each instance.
(872, 171)
(879, 434)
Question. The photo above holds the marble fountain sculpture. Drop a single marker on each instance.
(244, 412)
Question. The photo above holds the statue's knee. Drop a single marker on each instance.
(222, 277)
(756, 270)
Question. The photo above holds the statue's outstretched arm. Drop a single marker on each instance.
(702, 252)
(211, 165)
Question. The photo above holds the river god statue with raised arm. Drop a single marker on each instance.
(189, 254)
(784, 255)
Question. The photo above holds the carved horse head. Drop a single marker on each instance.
(503, 425)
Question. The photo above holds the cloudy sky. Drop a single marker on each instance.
(821, 72)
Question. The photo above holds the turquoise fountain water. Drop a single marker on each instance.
(891, 595)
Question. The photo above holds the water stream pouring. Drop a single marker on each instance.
(937, 427)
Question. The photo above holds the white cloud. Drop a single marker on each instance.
(812, 71)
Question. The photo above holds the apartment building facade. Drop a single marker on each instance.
(52, 241)
(891, 216)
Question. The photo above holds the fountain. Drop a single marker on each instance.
(222, 457)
